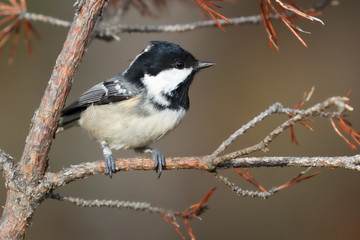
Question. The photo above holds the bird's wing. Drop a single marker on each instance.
(114, 89)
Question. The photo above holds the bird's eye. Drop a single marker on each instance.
(179, 64)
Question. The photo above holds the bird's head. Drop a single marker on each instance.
(165, 71)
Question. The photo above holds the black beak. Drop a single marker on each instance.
(202, 65)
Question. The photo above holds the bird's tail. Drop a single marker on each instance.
(68, 120)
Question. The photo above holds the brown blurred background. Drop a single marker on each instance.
(247, 79)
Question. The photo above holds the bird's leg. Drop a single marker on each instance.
(159, 159)
(108, 159)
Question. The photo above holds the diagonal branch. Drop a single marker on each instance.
(44, 123)
(298, 115)
(24, 195)
(6, 165)
(275, 108)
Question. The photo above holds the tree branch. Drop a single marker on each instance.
(46, 19)
(84, 170)
(24, 195)
(137, 206)
(110, 31)
(193, 211)
(243, 192)
(107, 30)
(28, 183)
(345, 162)
(234, 159)
(6, 165)
(44, 122)
(264, 194)
(298, 115)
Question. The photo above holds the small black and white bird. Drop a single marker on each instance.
(139, 106)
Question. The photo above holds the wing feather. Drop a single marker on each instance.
(114, 89)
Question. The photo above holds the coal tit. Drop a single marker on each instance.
(139, 106)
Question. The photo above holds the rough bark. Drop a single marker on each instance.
(24, 187)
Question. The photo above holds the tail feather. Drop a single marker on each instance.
(67, 121)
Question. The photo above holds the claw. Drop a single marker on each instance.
(109, 160)
(159, 160)
(109, 165)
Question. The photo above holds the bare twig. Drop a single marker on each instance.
(193, 211)
(206, 163)
(137, 206)
(298, 115)
(111, 31)
(275, 108)
(264, 194)
(242, 192)
(345, 162)
(46, 19)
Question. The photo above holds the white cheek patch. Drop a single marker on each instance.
(165, 82)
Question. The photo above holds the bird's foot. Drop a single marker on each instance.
(159, 159)
(109, 160)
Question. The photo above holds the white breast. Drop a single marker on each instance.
(122, 127)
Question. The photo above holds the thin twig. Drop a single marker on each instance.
(245, 193)
(264, 194)
(340, 102)
(193, 211)
(268, 112)
(46, 19)
(111, 31)
(137, 206)
(316, 110)
(124, 28)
